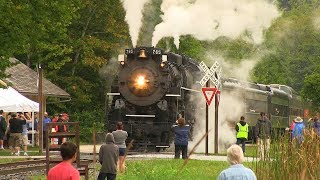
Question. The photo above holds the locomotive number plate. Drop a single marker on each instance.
(129, 51)
(156, 51)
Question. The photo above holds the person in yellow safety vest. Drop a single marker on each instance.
(242, 129)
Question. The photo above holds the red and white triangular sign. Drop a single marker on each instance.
(209, 93)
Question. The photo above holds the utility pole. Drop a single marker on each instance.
(40, 101)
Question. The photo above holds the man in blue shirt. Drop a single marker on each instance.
(236, 170)
(46, 120)
(181, 132)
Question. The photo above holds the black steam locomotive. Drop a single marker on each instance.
(148, 95)
(154, 87)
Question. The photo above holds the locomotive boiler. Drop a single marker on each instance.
(148, 95)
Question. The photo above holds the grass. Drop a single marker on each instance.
(32, 151)
(170, 169)
(159, 169)
(291, 160)
(288, 161)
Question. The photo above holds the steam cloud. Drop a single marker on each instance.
(231, 107)
(210, 19)
(134, 17)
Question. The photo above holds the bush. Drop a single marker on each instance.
(88, 121)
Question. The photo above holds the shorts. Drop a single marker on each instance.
(122, 151)
(24, 140)
(14, 140)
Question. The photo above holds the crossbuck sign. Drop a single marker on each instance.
(210, 74)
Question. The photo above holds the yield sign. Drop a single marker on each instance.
(209, 93)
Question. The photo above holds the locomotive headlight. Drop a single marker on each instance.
(141, 82)
(162, 64)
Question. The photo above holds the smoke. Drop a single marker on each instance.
(239, 71)
(210, 19)
(109, 70)
(231, 107)
(134, 17)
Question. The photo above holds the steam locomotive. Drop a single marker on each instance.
(148, 95)
(154, 87)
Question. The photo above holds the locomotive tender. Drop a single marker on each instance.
(153, 87)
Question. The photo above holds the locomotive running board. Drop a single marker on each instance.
(162, 146)
(113, 94)
(140, 115)
(173, 95)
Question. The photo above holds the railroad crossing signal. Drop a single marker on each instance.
(209, 93)
(214, 74)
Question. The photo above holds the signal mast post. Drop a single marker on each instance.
(207, 124)
(216, 116)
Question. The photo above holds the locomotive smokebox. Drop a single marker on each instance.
(143, 81)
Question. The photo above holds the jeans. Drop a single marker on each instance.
(103, 176)
(242, 141)
(183, 149)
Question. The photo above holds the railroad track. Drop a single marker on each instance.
(19, 169)
(22, 169)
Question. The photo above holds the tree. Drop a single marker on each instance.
(311, 89)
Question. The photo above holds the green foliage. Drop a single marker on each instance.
(4, 63)
(88, 121)
(233, 51)
(311, 89)
(270, 70)
(293, 45)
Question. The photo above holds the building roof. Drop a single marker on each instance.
(24, 80)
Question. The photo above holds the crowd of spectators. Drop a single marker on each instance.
(17, 129)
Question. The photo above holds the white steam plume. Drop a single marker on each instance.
(209, 19)
(133, 17)
(231, 107)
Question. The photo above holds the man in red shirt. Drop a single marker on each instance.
(65, 170)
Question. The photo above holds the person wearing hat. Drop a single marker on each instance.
(298, 130)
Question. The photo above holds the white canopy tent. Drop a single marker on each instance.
(12, 101)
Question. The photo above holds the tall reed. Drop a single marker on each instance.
(290, 160)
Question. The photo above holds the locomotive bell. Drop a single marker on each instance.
(142, 53)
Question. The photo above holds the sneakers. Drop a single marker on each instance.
(25, 154)
(17, 154)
